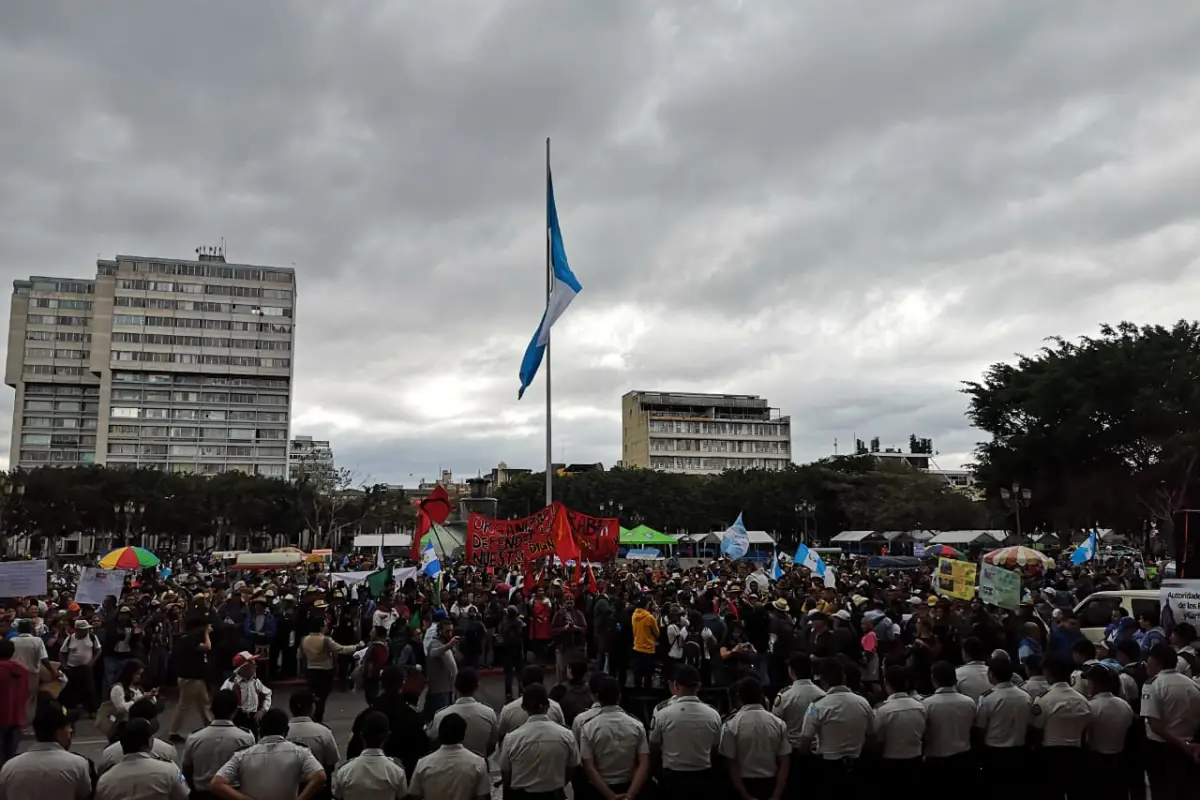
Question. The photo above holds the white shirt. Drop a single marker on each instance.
(676, 636)
(249, 693)
(78, 652)
(30, 651)
(384, 619)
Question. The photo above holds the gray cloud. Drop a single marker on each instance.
(848, 208)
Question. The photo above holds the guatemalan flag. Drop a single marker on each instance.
(811, 559)
(430, 564)
(562, 292)
(776, 568)
(1086, 551)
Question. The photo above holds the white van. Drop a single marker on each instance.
(1095, 611)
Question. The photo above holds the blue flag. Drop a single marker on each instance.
(1086, 551)
(735, 542)
(776, 569)
(562, 292)
(431, 565)
(809, 558)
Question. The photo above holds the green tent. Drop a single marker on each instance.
(645, 536)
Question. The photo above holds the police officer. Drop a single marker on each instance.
(1002, 717)
(755, 745)
(612, 748)
(1108, 734)
(271, 769)
(144, 709)
(790, 706)
(687, 732)
(537, 759)
(839, 723)
(973, 675)
(582, 717)
(513, 715)
(1036, 686)
(451, 772)
(140, 773)
(949, 717)
(1059, 719)
(207, 750)
(482, 725)
(372, 774)
(313, 735)
(898, 728)
(47, 770)
(1171, 709)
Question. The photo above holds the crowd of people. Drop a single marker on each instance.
(717, 678)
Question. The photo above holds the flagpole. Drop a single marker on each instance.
(549, 288)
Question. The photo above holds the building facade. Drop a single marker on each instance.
(306, 454)
(169, 364)
(703, 434)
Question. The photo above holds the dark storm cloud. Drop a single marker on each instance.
(847, 208)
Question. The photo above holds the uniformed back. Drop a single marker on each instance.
(1062, 714)
(1003, 713)
(899, 725)
(613, 740)
(688, 730)
(839, 723)
(1111, 718)
(755, 739)
(949, 716)
(792, 704)
(1173, 699)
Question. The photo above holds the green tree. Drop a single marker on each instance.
(1102, 430)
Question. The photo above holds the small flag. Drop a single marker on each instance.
(562, 292)
(430, 564)
(735, 542)
(1086, 551)
(379, 554)
(431, 511)
(809, 558)
(776, 569)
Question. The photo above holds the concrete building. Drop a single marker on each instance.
(306, 454)
(169, 364)
(702, 434)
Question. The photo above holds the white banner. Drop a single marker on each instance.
(95, 584)
(23, 578)
(1179, 601)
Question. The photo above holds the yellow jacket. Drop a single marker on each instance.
(645, 631)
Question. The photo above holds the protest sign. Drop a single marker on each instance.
(1179, 601)
(999, 587)
(955, 578)
(23, 578)
(510, 543)
(95, 584)
(596, 537)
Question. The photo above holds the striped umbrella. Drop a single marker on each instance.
(942, 551)
(1010, 557)
(129, 558)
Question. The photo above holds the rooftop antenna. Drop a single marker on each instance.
(835, 446)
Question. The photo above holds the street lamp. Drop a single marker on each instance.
(129, 510)
(10, 489)
(610, 506)
(1015, 498)
(804, 510)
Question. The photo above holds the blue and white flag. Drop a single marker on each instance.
(735, 542)
(562, 292)
(776, 569)
(809, 558)
(1086, 551)
(430, 564)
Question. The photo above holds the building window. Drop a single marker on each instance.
(124, 412)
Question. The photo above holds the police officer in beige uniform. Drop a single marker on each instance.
(271, 769)
(1036, 686)
(537, 759)
(756, 747)
(973, 675)
(790, 706)
(47, 770)
(144, 709)
(1002, 717)
(898, 728)
(949, 717)
(140, 775)
(1059, 719)
(313, 735)
(687, 732)
(613, 748)
(513, 714)
(371, 775)
(587, 714)
(482, 726)
(1107, 735)
(452, 772)
(839, 723)
(1171, 707)
(208, 749)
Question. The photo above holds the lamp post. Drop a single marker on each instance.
(804, 510)
(1016, 497)
(10, 490)
(129, 510)
(611, 506)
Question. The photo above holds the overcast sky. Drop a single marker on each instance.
(847, 208)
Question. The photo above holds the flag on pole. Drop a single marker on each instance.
(430, 564)
(431, 511)
(776, 568)
(1086, 551)
(563, 290)
(379, 554)
(735, 541)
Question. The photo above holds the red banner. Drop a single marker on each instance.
(510, 543)
(555, 530)
(596, 537)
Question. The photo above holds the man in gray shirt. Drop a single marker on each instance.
(208, 749)
(271, 769)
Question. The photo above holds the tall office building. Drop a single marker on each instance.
(162, 363)
(703, 434)
(308, 455)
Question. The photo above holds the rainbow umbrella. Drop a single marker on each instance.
(942, 551)
(129, 558)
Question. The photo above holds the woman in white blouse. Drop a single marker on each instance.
(128, 689)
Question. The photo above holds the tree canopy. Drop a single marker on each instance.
(848, 493)
(1103, 430)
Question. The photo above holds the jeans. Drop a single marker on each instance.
(320, 683)
(112, 671)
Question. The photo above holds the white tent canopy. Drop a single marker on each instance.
(953, 538)
(756, 537)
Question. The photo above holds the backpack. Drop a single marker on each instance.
(693, 646)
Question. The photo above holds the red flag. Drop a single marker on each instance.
(431, 511)
(592, 585)
(565, 546)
